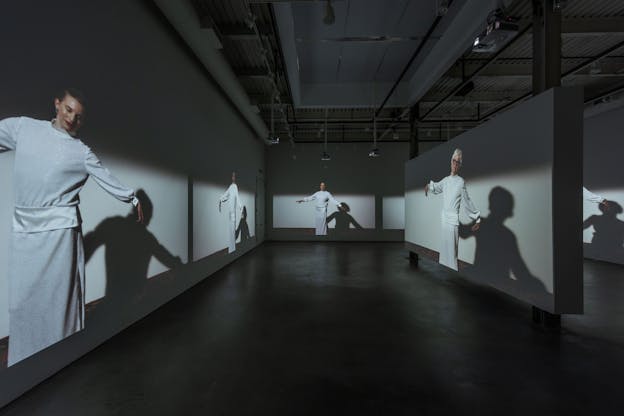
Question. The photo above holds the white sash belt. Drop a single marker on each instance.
(38, 219)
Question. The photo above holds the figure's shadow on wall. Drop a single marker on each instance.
(343, 220)
(497, 256)
(129, 247)
(243, 227)
(608, 240)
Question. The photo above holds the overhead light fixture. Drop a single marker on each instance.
(273, 138)
(395, 134)
(499, 31)
(325, 156)
(374, 152)
(443, 7)
(330, 17)
(559, 4)
(595, 68)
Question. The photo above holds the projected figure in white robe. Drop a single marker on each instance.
(46, 267)
(455, 197)
(322, 198)
(233, 202)
(592, 197)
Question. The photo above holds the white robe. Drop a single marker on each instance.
(230, 197)
(591, 197)
(455, 197)
(320, 217)
(46, 267)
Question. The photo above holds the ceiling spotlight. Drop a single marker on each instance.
(325, 157)
(330, 17)
(498, 32)
(443, 7)
(374, 152)
(595, 68)
(272, 139)
(559, 4)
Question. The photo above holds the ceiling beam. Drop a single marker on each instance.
(592, 26)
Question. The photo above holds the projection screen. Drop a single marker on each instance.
(524, 195)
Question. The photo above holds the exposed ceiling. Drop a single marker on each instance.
(284, 49)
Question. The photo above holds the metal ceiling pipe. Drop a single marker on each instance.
(477, 72)
(433, 27)
(566, 74)
(184, 19)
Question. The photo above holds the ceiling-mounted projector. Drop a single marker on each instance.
(325, 157)
(497, 34)
(374, 152)
(272, 140)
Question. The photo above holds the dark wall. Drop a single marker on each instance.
(149, 101)
(298, 170)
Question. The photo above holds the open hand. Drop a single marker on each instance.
(476, 226)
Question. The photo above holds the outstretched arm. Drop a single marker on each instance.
(334, 200)
(434, 187)
(8, 133)
(307, 198)
(162, 254)
(110, 183)
(355, 223)
(589, 222)
(470, 208)
(591, 197)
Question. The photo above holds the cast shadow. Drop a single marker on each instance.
(497, 259)
(608, 240)
(129, 247)
(343, 220)
(243, 227)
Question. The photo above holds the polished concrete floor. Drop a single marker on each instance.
(349, 328)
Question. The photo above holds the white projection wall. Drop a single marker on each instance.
(287, 213)
(525, 245)
(211, 226)
(394, 213)
(367, 185)
(167, 227)
(113, 221)
(530, 215)
(603, 147)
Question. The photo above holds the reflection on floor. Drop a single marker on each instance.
(348, 328)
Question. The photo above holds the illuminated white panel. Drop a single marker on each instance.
(287, 213)
(210, 233)
(394, 213)
(104, 215)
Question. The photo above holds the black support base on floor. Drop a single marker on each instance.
(413, 258)
(546, 319)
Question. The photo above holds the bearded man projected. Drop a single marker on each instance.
(456, 196)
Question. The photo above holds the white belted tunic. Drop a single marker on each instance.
(230, 197)
(455, 197)
(320, 217)
(46, 267)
